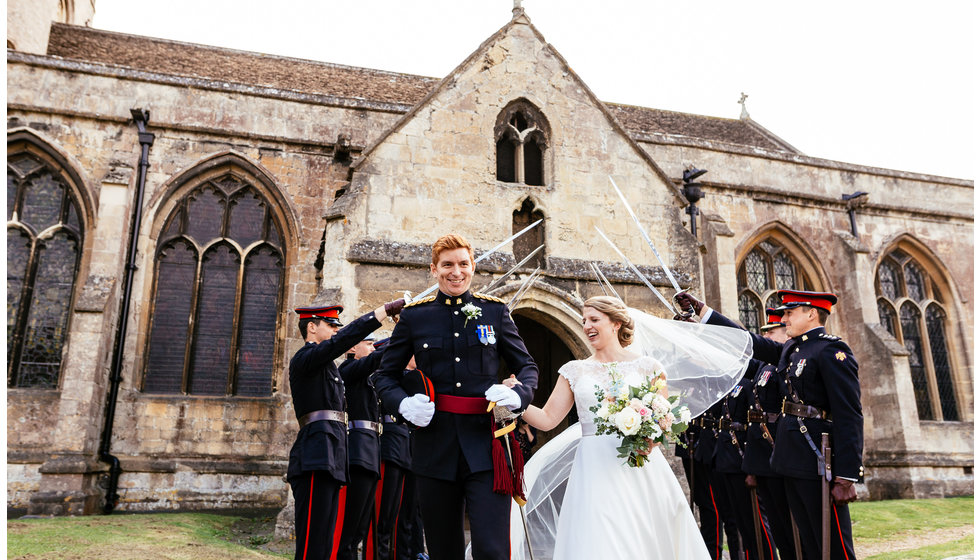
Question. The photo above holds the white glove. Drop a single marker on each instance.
(417, 409)
(504, 396)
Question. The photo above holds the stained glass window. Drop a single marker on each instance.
(219, 277)
(748, 312)
(44, 246)
(767, 268)
(935, 320)
(900, 277)
(914, 283)
(886, 316)
(913, 343)
(756, 273)
(888, 280)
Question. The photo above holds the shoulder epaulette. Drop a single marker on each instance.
(423, 300)
(488, 297)
(829, 337)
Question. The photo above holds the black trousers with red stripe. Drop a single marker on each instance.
(358, 508)
(443, 505)
(772, 493)
(804, 498)
(744, 511)
(711, 503)
(317, 496)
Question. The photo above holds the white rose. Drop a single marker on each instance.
(603, 411)
(655, 431)
(648, 398)
(684, 415)
(628, 421)
(660, 405)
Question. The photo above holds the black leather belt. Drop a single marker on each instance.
(725, 424)
(805, 411)
(760, 416)
(364, 425)
(705, 421)
(317, 415)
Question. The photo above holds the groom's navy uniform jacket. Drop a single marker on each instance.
(448, 350)
(452, 455)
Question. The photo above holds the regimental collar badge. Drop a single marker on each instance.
(840, 356)
(486, 334)
(799, 367)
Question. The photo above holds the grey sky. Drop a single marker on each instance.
(887, 84)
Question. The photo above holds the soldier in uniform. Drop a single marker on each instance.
(729, 452)
(824, 397)
(318, 459)
(363, 453)
(765, 406)
(458, 338)
(396, 499)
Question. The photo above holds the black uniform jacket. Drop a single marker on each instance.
(315, 383)
(707, 438)
(766, 392)
(395, 439)
(734, 408)
(448, 350)
(362, 404)
(823, 373)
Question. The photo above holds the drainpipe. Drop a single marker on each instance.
(140, 117)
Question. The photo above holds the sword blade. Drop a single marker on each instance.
(598, 279)
(497, 282)
(433, 287)
(637, 272)
(643, 232)
(606, 280)
(523, 289)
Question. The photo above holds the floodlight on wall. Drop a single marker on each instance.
(693, 193)
(854, 200)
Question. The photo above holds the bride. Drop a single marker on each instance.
(607, 509)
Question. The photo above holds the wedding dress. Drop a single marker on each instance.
(585, 502)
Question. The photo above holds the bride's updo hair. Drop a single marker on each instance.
(616, 310)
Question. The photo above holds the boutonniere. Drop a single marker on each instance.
(471, 311)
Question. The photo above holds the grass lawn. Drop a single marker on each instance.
(177, 536)
(886, 530)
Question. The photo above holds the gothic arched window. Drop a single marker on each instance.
(767, 268)
(525, 244)
(521, 134)
(903, 284)
(44, 246)
(217, 292)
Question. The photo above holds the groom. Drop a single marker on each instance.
(458, 339)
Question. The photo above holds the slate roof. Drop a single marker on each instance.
(307, 76)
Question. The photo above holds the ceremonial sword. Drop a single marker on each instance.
(643, 232)
(434, 287)
(603, 280)
(494, 284)
(637, 271)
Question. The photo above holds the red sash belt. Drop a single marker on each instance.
(461, 405)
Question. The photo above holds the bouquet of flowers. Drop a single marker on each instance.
(639, 415)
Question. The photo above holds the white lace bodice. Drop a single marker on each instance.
(586, 376)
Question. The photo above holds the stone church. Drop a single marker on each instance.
(169, 204)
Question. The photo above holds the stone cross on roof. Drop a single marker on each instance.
(517, 7)
(745, 112)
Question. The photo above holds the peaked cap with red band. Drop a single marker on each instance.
(795, 298)
(330, 313)
(774, 319)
